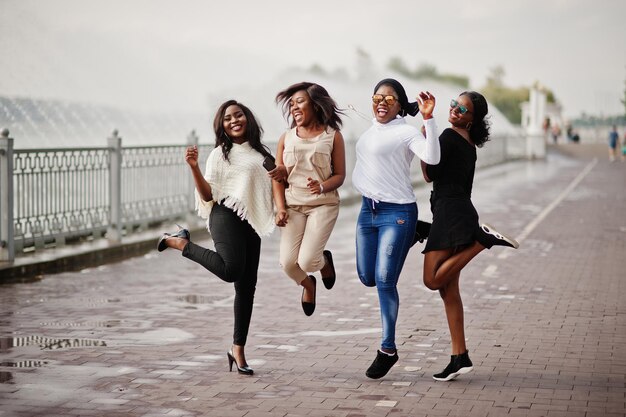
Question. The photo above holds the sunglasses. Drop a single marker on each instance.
(378, 98)
(455, 104)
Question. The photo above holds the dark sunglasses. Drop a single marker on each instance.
(455, 104)
(378, 98)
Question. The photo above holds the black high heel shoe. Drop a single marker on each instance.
(244, 370)
(182, 233)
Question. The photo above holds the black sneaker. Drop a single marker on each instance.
(422, 229)
(381, 365)
(459, 364)
(488, 237)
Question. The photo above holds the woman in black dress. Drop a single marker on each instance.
(455, 236)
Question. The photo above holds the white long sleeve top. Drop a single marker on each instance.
(383, 159)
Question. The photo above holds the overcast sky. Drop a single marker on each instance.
(171, 55)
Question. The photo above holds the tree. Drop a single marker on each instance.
(364, 64)
(397, 64)
(508, 100)
(426, 71)
(496, 77)
(317, 69)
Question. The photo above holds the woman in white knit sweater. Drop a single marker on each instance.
(386, 223)
(235, 196)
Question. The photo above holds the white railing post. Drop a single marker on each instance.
(191, 218)
(7, 242)
(114, 232)
(535, 138)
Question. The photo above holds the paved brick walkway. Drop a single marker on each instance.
(546, 324)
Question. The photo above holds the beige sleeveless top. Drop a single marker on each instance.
(306, 158)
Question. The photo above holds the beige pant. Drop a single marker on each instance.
(303, 239)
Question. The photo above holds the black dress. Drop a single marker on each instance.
(455, 220)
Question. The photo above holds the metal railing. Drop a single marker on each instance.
(49, 197)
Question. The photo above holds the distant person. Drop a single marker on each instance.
(455, 236)
(556, 132)
(545, 125)
(235, 195)
(572, 135)
(569, 131)
(387, 222)
(624, 148)
(311, 160)
(613, 141)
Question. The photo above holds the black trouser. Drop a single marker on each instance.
(235, 259)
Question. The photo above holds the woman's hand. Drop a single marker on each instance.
(279, 173)
(314, 186)
(426, 102)
(281, 218)
(191, 156)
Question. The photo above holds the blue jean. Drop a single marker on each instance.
(384, 233)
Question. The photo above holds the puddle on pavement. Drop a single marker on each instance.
(47, 343)
(156, 337)
(48, 387)
(104, 323)
(23, 364)
(198, 299)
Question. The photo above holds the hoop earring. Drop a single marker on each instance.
(469, 126)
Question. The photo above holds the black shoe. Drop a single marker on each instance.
(330, 280)
(422, 230)
(245, 370)
(459, 364)
(182, 233)
(307, 307)
(488, 237)
(381, 365)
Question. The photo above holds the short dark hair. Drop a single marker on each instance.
(326, 111)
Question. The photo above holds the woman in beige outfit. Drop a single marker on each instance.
(311, 167)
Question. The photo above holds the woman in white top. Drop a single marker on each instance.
(386, 223)
(235, 196)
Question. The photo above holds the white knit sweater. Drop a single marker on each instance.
(243, 184)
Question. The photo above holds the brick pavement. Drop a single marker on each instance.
(546, 324)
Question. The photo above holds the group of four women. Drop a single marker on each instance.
(244, 192)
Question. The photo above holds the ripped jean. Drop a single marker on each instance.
(384, 233)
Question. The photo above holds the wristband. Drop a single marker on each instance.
(321, 188)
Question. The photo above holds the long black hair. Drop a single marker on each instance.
(479, 130)
(253, 132)
(326, 111)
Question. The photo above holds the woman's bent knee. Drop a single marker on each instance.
(233, 273)
(310, 264)
(430, 283)
(367, 281)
